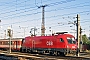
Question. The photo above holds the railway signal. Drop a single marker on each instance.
(10, 35)
(9, 32)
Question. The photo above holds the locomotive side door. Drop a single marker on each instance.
(33, 44)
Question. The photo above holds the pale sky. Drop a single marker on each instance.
(26, 14)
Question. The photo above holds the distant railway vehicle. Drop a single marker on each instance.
(15, 44)
(59, 44)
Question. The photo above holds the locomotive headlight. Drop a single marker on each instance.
(67, 46)
(73, 46)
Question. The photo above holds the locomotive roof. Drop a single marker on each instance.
(61, 32)
(50, 36)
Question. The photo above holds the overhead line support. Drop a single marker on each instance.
(43, 22)
(78, 33)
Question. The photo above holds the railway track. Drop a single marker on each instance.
(23, 56)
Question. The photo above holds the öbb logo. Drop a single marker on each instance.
(49, 43)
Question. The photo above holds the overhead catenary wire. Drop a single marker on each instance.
(80, 3)
(24, 15)
(9, 8)
(52, 10)
(45, 11)
(46, 17)
(18, 10)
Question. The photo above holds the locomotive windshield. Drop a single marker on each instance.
(71, 40)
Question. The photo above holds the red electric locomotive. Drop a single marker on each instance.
(59, 44)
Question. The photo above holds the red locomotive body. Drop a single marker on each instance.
(15, 44)
(55, 44)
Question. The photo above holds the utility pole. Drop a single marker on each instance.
(43, 22)
(12, 34)
(5, 34)
(23, 28)
(80, 39)
(89, 33)
(78, 32)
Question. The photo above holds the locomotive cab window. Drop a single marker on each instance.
(71, 40)
(61, 40)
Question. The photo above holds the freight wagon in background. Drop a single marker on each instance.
(15, 44)
(57, 44)
(85, 47)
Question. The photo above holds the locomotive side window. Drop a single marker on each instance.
(74, 42)
(61, 40)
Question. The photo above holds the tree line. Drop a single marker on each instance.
(85, 39)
